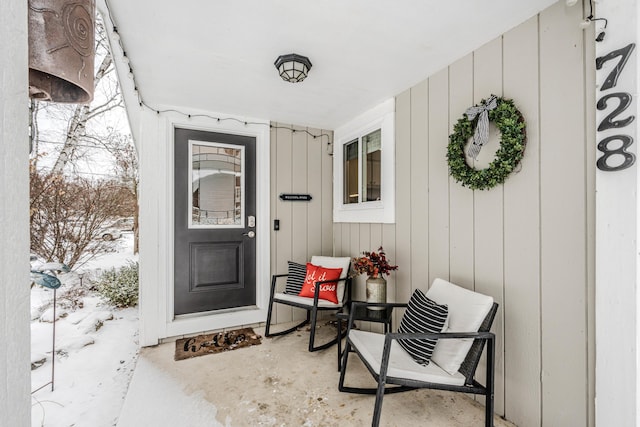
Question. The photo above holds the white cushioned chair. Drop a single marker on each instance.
(315, 304)
(454, 360)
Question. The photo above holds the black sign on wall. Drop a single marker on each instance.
(295, 197)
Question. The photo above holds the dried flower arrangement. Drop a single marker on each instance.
(373, 263)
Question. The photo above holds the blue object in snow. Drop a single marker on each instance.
(46, 280)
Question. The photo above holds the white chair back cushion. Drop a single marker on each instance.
(467, 310)
(335, 262)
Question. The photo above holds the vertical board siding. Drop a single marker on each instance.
(283, 212)
(403, 200)
(326, 160)
(438, 179)
(300, 232)
(299, 210)
(419, 200)
(461, 255)
(301, 164)
(488, 212)
(528, 243)
(313, 185)
(563, 218)
(521, 308)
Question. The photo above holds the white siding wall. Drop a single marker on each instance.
(15, 402)
(528, 243)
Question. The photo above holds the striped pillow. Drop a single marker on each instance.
(295, 279)
(422, 315)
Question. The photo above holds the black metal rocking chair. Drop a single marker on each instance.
(311, 305)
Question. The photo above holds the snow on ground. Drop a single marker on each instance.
(96, 348)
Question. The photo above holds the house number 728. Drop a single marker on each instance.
(624, 100)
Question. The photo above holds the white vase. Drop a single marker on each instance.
(376, 291)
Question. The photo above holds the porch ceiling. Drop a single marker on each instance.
(218, 55)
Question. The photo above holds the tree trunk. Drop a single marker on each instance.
(77, 126)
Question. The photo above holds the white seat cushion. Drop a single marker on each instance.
(335, 262)
(401, 364)
(467, 310)
(305, 300)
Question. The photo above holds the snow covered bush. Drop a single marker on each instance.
(120, 287)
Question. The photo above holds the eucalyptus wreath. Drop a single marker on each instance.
(512, 127)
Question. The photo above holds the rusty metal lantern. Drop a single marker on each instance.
(61, 50)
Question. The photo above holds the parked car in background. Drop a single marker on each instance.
(109, 233)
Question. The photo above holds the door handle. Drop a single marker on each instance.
(250, 234)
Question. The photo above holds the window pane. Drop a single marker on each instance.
(350, 177)
(216, 185)
(371, 158)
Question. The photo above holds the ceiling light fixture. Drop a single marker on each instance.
(293, 68)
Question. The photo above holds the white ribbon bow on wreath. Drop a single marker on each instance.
(481, 135)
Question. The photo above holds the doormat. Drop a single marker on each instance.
(215, 343)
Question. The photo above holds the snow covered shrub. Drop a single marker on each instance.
(72, 298)
(120, 287)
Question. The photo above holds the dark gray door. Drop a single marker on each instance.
(215, 226)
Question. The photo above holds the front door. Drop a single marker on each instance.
(215, 223)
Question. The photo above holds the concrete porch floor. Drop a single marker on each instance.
(276, 383)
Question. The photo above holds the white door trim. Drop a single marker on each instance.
(157, 289)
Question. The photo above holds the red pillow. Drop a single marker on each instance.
(320, 274)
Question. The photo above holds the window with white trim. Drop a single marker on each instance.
(361, 171)
(364, 167)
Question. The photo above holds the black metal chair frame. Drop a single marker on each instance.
(468, 367)
(312, 312)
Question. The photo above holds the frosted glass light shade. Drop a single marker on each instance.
(293, 68)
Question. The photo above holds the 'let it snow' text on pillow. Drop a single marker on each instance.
(321, 274)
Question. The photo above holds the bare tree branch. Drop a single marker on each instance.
(105, 109)
(78, 124)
